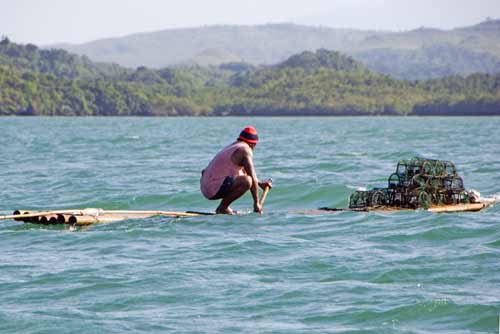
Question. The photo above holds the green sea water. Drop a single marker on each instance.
(280, 272)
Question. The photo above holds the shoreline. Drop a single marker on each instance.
(243, 116)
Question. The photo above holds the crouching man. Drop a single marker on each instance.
(231, 173)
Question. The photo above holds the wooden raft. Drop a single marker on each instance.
(469, 207)
(91, 216)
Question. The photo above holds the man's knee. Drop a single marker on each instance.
(248, 182)
(245, 181)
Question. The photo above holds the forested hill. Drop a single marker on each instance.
(54, 82)
(54, 61)
(322, 59)
(416, 54)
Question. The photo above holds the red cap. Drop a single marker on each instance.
(249, 135)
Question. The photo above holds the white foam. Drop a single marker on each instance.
(493, 198)
(356, 188)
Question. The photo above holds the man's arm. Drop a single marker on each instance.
(247, 163)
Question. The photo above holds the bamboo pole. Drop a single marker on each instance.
(152, 213)
(458, 207)
(61, 219)
(108, 217)
(31, 214)
(95, 212)
(17, 213)
(35, 218)
(89, 220)
(31, 219)
(46, 220)
(464, 207)
(81, 220)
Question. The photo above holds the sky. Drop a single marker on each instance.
(46, 22)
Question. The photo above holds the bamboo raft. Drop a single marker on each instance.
(463, 207)
(89, 216)
(94, 216)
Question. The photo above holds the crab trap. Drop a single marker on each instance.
(416, 183)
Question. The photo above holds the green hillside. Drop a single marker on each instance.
(55, 61)
(274, 43)
(35, 82)
(323, 90)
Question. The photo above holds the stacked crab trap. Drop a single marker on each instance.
(420, 183)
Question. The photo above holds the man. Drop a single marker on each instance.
(231, 173)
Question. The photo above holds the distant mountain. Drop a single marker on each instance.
(258, 45)
(479, 46)
(435, 61)
(487, 26)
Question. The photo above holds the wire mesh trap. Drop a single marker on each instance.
(416, 183)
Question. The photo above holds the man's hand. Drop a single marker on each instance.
(257, 208)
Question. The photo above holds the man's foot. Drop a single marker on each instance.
(224, 211)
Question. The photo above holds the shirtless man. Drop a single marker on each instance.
(231, 173)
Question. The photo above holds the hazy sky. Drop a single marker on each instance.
(51, 21)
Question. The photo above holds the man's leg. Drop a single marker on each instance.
(240, 186)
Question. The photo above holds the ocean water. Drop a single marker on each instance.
(280, 272)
